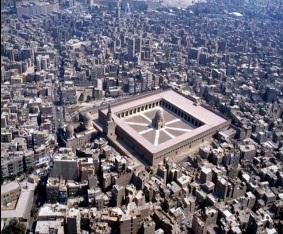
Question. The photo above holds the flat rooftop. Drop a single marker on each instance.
(176, 129)
(24, 203)
(9, 187)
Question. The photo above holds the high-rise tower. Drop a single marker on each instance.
(118, 12)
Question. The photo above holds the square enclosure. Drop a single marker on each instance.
(174, 125)
(181, 121)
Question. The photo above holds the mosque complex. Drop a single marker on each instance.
(161, 125)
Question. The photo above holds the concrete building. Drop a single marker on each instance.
(65, 167)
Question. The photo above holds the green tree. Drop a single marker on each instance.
(82, 97)
(14, 227)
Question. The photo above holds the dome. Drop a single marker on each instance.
(88, 116)
(158, 120)
(159, 115)
(85, 117)
(69, 131)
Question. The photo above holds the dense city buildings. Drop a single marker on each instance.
(134, 116)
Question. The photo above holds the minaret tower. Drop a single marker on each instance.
(109, 113)
(110, 126)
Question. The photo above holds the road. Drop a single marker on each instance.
(57, 112)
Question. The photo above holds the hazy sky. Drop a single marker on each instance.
(180, 3)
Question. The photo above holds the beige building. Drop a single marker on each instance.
(10, 192)
(12, 165)
(79, 134)
(35, 7)
(17, 200)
